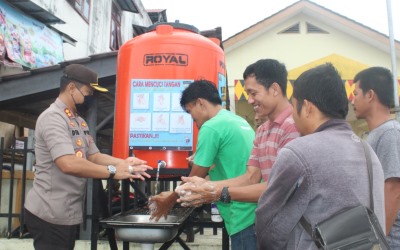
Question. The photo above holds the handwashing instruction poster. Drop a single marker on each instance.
(157, 120)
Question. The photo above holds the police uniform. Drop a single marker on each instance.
(57, 197)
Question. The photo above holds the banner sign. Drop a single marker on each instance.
(27, 41)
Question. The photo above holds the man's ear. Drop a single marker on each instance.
(308, 107)
(201, 102)
(276, 89)
(370, 95)
(71, 86)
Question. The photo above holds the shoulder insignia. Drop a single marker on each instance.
(79, 142)
(68, 112)
(79, 153)
(83, 124)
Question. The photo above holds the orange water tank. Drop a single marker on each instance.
(152, 71)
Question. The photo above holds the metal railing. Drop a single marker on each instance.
(8, 169)
(14, 165)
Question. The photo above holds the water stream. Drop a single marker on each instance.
(160, 164)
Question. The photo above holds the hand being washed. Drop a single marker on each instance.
(161, 204)
(197, 191)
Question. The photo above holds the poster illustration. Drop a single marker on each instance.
(157, 121)
(27, 41)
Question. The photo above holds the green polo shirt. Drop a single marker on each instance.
(226, 140)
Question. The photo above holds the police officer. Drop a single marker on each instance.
(65, 156)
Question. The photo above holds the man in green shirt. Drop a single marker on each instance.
(225, 140)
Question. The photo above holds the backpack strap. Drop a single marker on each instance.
(370, 173)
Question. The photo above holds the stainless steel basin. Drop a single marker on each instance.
(135, 225)
(146, 235)
(145, 219)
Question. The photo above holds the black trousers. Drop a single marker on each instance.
(48, 236)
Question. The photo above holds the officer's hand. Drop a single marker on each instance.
(132, 168)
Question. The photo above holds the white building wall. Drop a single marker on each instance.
(75, 26)
(298, 49)
(100, 26)
(92, 37)
(295, 50)
(129, 18)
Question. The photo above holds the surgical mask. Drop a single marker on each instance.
(82, 108)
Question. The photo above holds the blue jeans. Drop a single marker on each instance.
(245, 239)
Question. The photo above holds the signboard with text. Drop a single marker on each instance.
(157, 121)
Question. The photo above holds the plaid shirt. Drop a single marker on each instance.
(270, 138)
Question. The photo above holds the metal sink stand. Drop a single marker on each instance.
(100, 207)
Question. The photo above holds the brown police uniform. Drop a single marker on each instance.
(57, 197)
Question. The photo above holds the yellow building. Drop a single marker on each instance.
(302, 36)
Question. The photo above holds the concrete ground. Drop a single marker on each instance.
(206, 241)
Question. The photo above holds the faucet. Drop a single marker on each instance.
(161, 164)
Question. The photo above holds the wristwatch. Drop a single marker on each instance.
(225, 197)
(112, 170)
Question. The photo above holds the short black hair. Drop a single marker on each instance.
(63, 83)
(380, 80)
(323, 87)
(200, 89)
(266, 72)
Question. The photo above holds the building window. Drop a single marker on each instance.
(82, 7)
(115, 38)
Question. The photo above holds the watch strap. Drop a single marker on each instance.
(225, 196)
(112, 170)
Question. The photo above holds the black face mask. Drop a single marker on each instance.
(82, 108)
